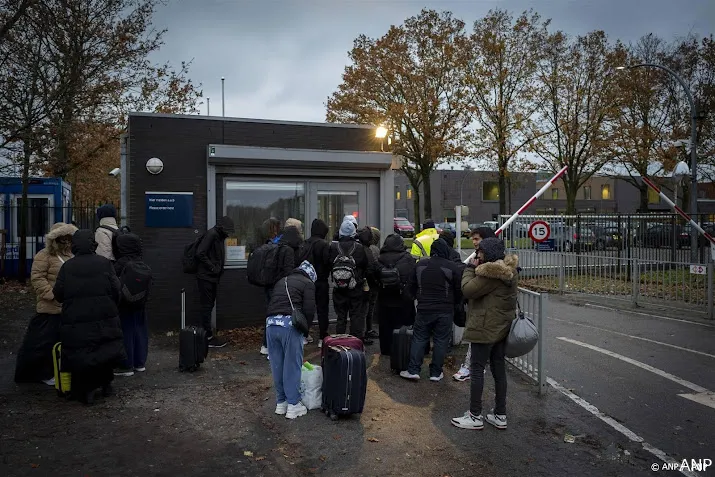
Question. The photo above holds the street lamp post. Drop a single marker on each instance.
(223, 98)
(693, 151)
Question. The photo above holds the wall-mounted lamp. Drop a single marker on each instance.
(154, 165)
(381, 132)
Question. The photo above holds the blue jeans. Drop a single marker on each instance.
(136, 338)
(285, 350)
(437, 325)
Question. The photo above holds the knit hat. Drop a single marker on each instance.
(107, 210)
(347, 229)
(493, 249)
(307, 267)
(351, 218)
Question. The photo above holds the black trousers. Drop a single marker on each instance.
(371, 308)
(481, 352)
(350, 305)
(392, 316)
(322, 305)
(207, 298)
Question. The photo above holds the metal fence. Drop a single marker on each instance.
(535, 307)
(40, 218)
(657, 237)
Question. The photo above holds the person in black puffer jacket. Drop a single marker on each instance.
(364, 236)
(132, 316)
(460, 311)
(91, 334)
(291, 238)
(395, 305)
(285, 343)
(316, 250)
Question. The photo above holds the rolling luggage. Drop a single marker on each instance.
(63, 379)
(344, 381)
(193, 346)
(349, 341)
(400, 349)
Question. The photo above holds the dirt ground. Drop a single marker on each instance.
(220, 421)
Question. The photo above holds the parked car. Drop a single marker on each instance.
(607, 237)
(403, 227)
(492, 224)
(568, 238)
(451, 226)
(684, 237)
(661, 235)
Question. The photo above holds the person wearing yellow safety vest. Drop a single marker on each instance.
(422, 244)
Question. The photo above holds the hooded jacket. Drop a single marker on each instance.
(130, 250)
(436, 281)
(393, 254)
(88, 289)
(317, 250)
(491, 289)
(301, 286)
(107, 216)
(360, 256)
(211, 252)
(46, 266)
(290, 237)
(421, 246)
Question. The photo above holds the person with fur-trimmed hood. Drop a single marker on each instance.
(490, 283)
(34, 360)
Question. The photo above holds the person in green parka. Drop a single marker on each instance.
(490, 284)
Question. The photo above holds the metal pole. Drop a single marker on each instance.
(543, 309)
(693, 153)
(223, 103)
(710, 290)
(208, 106)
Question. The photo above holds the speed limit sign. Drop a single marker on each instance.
(539, 231)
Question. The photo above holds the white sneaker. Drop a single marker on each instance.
(408, 375)
(282, 408)
(49, 382)
(436, 379)
(140, 369)
(264, 351)
(320, 344)
(462, 375)
(296, 410)
(309, 339)
(497, 420)
(468, 421)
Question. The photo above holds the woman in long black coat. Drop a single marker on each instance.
(91, 333)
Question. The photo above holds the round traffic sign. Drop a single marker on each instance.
(539, 231)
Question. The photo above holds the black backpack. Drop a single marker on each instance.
(135, 282)
(390, 277)
(344, 266)
(305, 252)
(189, 263)
(116, 233)
(262, 268)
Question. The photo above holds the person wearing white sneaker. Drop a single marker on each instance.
(490, 285)
(469, 421)
(285, 342)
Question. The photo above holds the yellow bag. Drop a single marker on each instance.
(63, 380)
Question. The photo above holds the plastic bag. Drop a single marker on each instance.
(311, 386)
(522, 338)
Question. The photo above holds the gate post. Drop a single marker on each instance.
(635, 280)
(543, 310)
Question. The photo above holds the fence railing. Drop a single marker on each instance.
(533, 365)
(658, 237)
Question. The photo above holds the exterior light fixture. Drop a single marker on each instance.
(154, 165)
(381, 132)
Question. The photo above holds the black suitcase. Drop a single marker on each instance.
(193, 346)
(344, 381)
(400, 349)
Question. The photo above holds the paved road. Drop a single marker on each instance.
(679, 358)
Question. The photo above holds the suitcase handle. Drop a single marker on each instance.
(183, 308)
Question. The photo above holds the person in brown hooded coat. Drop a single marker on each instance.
(34, 360)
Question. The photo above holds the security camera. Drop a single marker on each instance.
(115, 172)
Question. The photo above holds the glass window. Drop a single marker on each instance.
(555, 194)
(334, 205)
(490, 191)
(397, 193)
(249, 203)
(606, 192)
(587, 192)
(38, 216)
(409, 192)
(653, 197)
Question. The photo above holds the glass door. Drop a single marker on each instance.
(331, 201)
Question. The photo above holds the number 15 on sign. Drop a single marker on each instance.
(539, 231)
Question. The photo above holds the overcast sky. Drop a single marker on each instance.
(283, 58)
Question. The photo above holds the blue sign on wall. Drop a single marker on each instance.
(546, 246)
(169, 209)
